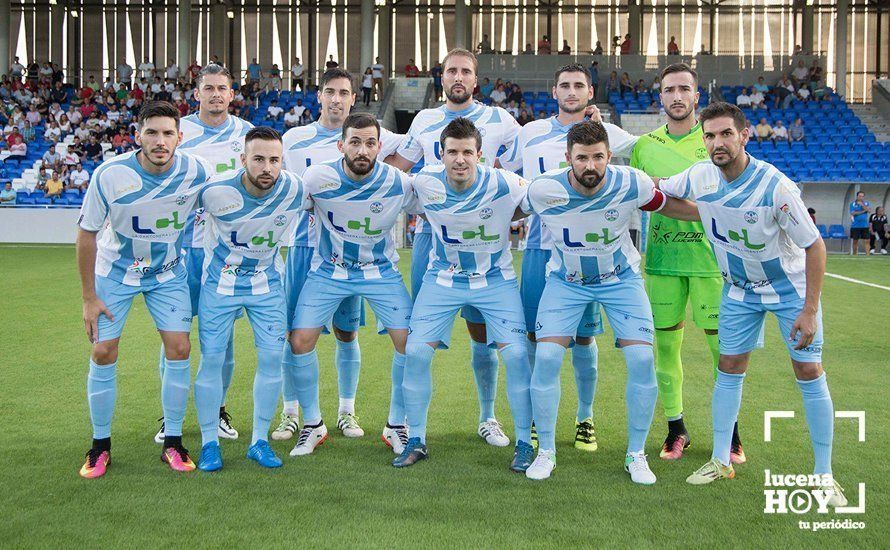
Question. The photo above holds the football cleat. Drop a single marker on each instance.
(710, 472)
(585, 435)
(395, 437)
(262, 454)
(523, 456)
(348, 424)
(177, 457)
(837, 497)
(225, 430)
(310, 438)
(543, 465)
(96, 463)
(286, 429)
(159, 437)
(638, 467)
(414, 452)
(674, 445)
(534, 437)
(736, 453)
(491, 432)
(211, 457)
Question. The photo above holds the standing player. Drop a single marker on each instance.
(772, 260)
(470, 207)
(499, 130)
(303, 147)
(358, 201)
(587, 208)
(541, 147)
(218, 138)
(680, 265)
(251, 211)
(146, 197)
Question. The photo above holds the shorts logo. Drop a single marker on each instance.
(751, 216)
(280, 220)
(376, 207)
(485, 213)
(611, 215)
(181, 199)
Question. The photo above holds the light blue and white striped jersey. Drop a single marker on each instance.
(147, 216)
(356, 219)
(541, 147)
(471, 229)
(221, 147)
(498, 127)
(758, 227)
(592, 245)
(314, 144)
(244, 259)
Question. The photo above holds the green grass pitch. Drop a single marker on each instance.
(346, 494)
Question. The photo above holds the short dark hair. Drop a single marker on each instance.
(333, 74)
(679, 68)
(358, 121)
(211, 69)
(571, 68)
(156, 109)
(461, 52)
(587, 133)
(723, 109)
(262, 132)
(461, 128)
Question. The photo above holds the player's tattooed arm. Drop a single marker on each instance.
(806, 323)
(92, 305)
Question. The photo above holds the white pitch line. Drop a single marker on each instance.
(851, 280)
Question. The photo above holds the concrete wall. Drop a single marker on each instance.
(38, 225)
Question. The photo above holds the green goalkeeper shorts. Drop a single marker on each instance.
(669, 295)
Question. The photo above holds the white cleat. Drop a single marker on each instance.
(348, 424)
(543, 465)
(491, 432)
(638, 467)
(837, 497)
(287, 427)
(225, 429)
(395, 437)
(310, 438)
(159, 437)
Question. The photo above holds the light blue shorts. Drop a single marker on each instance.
(420, 255)
(531, 286)
(498, 304)
(167, 302)
(321, 297)
(348, 317)
(216, 316)
(625, 303)
(194, 266)
(741, 325)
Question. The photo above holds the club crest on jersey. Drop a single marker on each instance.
(280, 220)
(376, 207)
(236, 146)
(485, 213)
(181, 199)
(751, 216)
(701, 153)
(611, 215)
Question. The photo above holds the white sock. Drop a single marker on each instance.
(347, 406)
(292, 408)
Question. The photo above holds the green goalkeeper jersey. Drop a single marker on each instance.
(674, 247)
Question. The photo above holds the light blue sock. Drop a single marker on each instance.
(725, 405)
(417, 387)
(228, 367)
(519, 375)
(162, 362)
(175, 395)
(209, 395)
(348, 358)
(640, 394)
(396, 399)
(101, 396)
(304, 369)
(266, 385)
(531, 348)
(485, 370)
(288, 385)
(820, 418)
(545, 392)
(584, 359)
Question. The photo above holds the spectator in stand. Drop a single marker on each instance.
(274, 112)
(815, 71)
(292, 118)
(528, 49)
(93, 149)
(76, 147)
(54, 186)
(544, 45)
(512, 108)
(757, 99)
(307, 116)
(122, 142)
(330, 63)
(82, 132)
(812, 212)
(800, 74)
(598, 48)
(16, 70)
(627, 45)
(146, 69)
(33, 115)
(65, 126)
(783, 92)
(523, 117)
(18, 150)
(436, 73)
(542, 115)
(182, 107)
(627, 86)
(52, 159)
(377, 72)
(498, 96)
(59, 94)
(7, 195)
(486, 88)
(655, 87)
(859, 228)
(796, 132)
(743, 100)
(52, 133)
(125, 73)
(763, 131)
(594, 71)
(78, 178)
(42, 178)
(28, 133)
(296, 74)
(275, 77)
(172, 71)
(411, 69)
(193, 70)
(879, 231)
(367, 86)
(640, 88)
(803, 93)
(653, 108)
(780, 132)
(673, 48)
(485, 45)
(566, 49)
(613, 85)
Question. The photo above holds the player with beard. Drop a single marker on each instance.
(499, 131)
(252, 212)
(357, 200)
(216, 137)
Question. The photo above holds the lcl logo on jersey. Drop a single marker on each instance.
(469, 235)
(739, 237)
(603, 237)
(160, 223)
(355, 225)
(268, 239)
(223, 167)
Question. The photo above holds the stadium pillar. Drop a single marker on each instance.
(367, 53)
(840, 48)
(384, 36)
(806, 38)
(218, 27)
(57, 16)
(634, 25)
(460, 24)
(184, 25)
(4, 36)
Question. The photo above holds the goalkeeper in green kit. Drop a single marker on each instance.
(680, 265)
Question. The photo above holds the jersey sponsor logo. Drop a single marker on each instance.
(663, 237)
(469, 235)
(787, 211)
(223, 167)
(268, 239)
(579, 278)
(557, 202)
(603, 237)
(735, 236)
(355, 225)
(751, 217)
(328, 185)
(435, 197)
(160, 223)
(562, 164)
(745, 284)
(143, 266)
(238, 271)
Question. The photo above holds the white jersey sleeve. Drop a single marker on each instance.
(94, 211)
(389, 143)
(678, 185)
(411, 148)
(621, 142)
(645, 187)
(792, 216)
(511, 130)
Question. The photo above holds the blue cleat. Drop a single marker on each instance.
(263, 454)
(414, 452)
(211, 458)
(523, 457)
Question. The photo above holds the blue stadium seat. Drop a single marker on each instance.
(837, 231)
(43, 201)
(823, 231)
(75, 201)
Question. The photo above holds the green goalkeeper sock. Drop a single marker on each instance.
(669, 370)
(715, 350)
